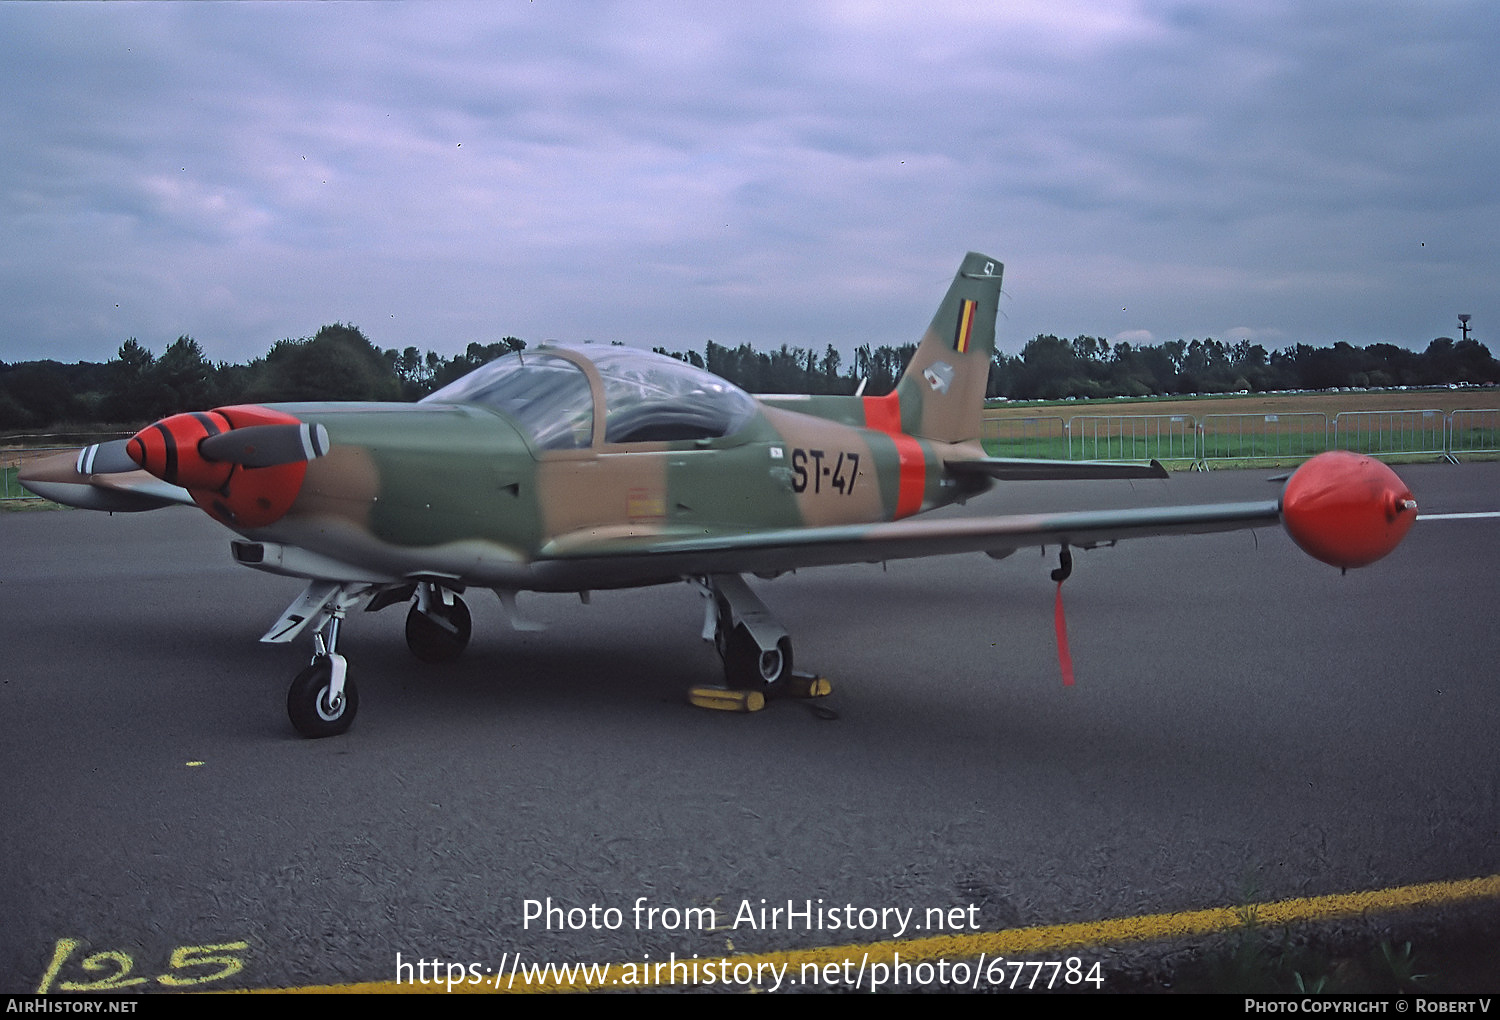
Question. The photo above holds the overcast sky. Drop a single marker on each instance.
(804, 173)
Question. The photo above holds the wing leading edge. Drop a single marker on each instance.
(788, 549)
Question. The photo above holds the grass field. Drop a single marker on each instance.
(13, 494)
(9, 487)
(1279, 427)
(1330, 404)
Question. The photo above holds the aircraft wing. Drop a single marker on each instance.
(1343, 508)
(788, 549)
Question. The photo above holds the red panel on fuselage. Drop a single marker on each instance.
(884, 414)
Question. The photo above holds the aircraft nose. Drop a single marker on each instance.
(169, 450)
(244, 465)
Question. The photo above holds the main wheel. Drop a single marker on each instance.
(442, 633)
(722, 628)
(747, 667)
(311, 710)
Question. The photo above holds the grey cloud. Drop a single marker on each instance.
(805, 173)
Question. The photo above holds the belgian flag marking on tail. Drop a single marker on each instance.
(965, 326)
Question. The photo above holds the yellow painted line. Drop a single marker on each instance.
(1013, 941)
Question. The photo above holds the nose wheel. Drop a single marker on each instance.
(314, 706)
(322, 700)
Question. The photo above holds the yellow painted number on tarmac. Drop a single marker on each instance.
(199, 956)
(116, 966)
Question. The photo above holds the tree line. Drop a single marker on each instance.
(1049, 368)
(340, 363)
(337, 363)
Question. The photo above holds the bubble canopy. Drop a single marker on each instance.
(646, 397)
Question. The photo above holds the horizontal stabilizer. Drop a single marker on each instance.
(1024, 469)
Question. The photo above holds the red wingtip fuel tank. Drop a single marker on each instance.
(1347, 509)
(231, 493)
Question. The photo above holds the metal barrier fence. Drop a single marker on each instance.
(1263, 436)
(1133, 437)
(1391, 432)
(11, 462)
(1286, 435)
(1473, 432)
(9, 487)
(1044, 438)
(16, 456)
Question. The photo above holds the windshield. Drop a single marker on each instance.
(648, 397)
(548, 397)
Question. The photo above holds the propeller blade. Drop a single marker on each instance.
(108, 458)
(59, 479)
(266, 445)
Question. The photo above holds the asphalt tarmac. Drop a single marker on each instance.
(1247, 725)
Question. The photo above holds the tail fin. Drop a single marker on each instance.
(940, 396)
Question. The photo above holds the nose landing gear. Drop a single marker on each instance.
(322, 700)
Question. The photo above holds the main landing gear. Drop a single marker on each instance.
(755, 648)
(438, 626)
(322, 700)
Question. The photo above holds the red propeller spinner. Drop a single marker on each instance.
(244, 465)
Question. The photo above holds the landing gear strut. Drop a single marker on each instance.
(755, 648)
(322, 700)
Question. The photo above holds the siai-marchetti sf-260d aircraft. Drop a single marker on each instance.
(572, 468)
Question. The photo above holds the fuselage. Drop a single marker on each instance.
(462, 491)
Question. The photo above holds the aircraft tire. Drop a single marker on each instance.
(746, 667)
(722, 630)
(440, 635)
(307, 702)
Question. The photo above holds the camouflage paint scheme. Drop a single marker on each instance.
(459, 491)
(616, 483)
